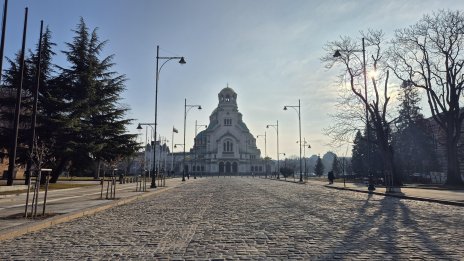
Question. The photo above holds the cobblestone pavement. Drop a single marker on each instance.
(251, 218)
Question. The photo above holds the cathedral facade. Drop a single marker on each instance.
(226, 146)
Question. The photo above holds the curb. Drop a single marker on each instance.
(444, 202)
(289, 181)
(36, 226)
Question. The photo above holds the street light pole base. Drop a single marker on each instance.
(153, 185)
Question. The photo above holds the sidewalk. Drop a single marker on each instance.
(448, 197)
(67, 204)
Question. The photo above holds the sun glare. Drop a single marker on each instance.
(373, 74)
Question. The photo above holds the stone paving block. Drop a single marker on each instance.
(253, 219)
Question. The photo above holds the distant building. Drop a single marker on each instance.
(439, 138)
(226, 146)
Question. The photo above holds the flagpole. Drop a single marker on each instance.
(172, 149)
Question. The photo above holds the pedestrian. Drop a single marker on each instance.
(330, 176)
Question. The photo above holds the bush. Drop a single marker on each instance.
(286, 172)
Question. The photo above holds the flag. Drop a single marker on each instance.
(175, 130)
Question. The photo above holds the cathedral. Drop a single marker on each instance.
(226, 146)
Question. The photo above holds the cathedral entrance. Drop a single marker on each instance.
(221, 167)
(228, 167)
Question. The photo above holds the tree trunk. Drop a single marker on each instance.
(453, 175)
(58, 170)
(393, 177)
(97, 171)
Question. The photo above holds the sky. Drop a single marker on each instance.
(268, 51)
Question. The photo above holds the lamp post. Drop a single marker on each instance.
(277, 129)
(178, 144)
(299, 125)
(304, 143)
(185, 127)
(265, 150)
(282, 153)
(158, 70)
(139, 127)
(336, 55)
(196, 130)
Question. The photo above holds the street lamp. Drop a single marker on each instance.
(283, 153)
(277, 129)
(175, 147)
(158, 70)
(265, 151)
(196, 130)
(304, 143)
(139, 127)
(336, 55)
(185, 127)
(299, 124)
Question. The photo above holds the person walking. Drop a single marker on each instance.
(330, 176)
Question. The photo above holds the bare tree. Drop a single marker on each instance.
(374, 98)
(41, 155)
(429, 55)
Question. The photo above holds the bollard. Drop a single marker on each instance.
(47, 179)
(101, 183)
(145, 181)
(136, 185)
(28, 192)
(33, 197)
(37, 195)
(107, 188)
(114, 188)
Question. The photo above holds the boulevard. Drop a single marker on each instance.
(253, 218)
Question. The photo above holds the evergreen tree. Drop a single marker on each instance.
(413, 142)
(336, 167)
(358, 152)
(375, 161)
(8, 96)
(361, 163)
(319, 169)
(97, 126)
(43, 128)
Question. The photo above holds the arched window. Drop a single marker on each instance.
(228, 146)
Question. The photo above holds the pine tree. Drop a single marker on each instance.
(336, 167)
(97, 129)
(43, 128)
(413, 142)
(358, 152)
(8, 92)
(319, 169)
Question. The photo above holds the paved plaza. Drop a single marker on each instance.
(253, 218)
